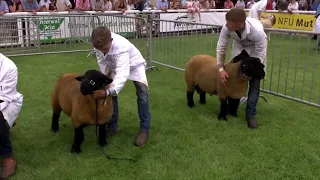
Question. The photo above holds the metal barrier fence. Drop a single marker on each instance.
(292, 62)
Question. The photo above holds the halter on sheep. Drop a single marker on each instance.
(202, 75)
(72, 94)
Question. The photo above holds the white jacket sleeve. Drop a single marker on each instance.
(8, 88)
(222, 45)
(261, 43)
(122, 70)
(101, 61)
(262, 6)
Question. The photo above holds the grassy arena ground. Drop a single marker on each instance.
(184, 143)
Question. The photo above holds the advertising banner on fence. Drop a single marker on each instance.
(304, 22)
(60, 28)
(214, 18)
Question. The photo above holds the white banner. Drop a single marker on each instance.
(212, 18)
(59, 28)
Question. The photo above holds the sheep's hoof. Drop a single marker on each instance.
(233, 114)
(191, 105)
(103, 143)
(75, 150)
(222, 117)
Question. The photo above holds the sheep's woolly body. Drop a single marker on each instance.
(67, 97)
(202, 70)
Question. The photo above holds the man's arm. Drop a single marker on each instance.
(8, 88)
(262, 8)
(222, 46)
(122, 71)
(261, 43)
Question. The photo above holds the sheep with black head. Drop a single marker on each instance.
(72, 94)
(202, 75)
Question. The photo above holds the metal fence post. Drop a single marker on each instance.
(149, 43)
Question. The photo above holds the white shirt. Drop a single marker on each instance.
(8, 90)
(259, 6)
(43, 3)
(125, 62)
(253, 41)
(293, 6)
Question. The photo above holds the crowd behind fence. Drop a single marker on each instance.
(292, 60)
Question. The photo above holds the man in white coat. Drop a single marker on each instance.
(257, 8)
(10, 106)
(249, 39)
(125, 61)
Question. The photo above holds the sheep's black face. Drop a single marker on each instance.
(252, 67)
(91, 81)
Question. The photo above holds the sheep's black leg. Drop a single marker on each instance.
(202, 98)
(233, 106)
(223, 110)
(103, 135)
(190, 99)
(78, 139)
(202, 95)
(55, 122)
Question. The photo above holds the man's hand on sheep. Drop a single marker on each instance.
(245, 78)
(100, 94)
(223, 77)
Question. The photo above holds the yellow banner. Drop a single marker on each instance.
(304, 22)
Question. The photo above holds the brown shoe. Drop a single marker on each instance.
(111, 132)
(8, 167)
(141, 138)
(251, 123)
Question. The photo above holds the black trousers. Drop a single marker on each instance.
(5, 143)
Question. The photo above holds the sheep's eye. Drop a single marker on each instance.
(92, 82)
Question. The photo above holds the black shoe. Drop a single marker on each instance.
(252, 123)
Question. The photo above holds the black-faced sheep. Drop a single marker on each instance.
(72, 94)
(202, 75)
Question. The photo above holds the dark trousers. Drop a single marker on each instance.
(254, 90)
(143, 108)
(5, 143)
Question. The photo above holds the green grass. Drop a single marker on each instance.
(184, 143)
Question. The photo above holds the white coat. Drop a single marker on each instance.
(258, 6)
(13, 100)
(317, 25)
(125, 62)
(253, 41)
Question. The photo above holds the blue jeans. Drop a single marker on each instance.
(253, 96)
(143, 108)
(5, 143)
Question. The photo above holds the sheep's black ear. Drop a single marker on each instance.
(1, 101)
(79, 78)
(109, 81)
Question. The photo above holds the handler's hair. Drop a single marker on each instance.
(236, 15)
(100, 36)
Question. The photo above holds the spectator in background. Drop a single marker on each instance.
(15, 5)
(97, 5)
(282, 5)
(315, 5)
(107, 5)
(212, 4)
(269, 5)
(130, 5)
(162, 5)
(228, 4)
(250, 3)
(52, 5)
(274, 5)
(120, 5)
(240, 4)
(3, 7)
(44, 5)
(175, 4)
(30, 6)
(293, 6)
(204, 4)
(82, 5)
(63, 5)
(303, 5)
